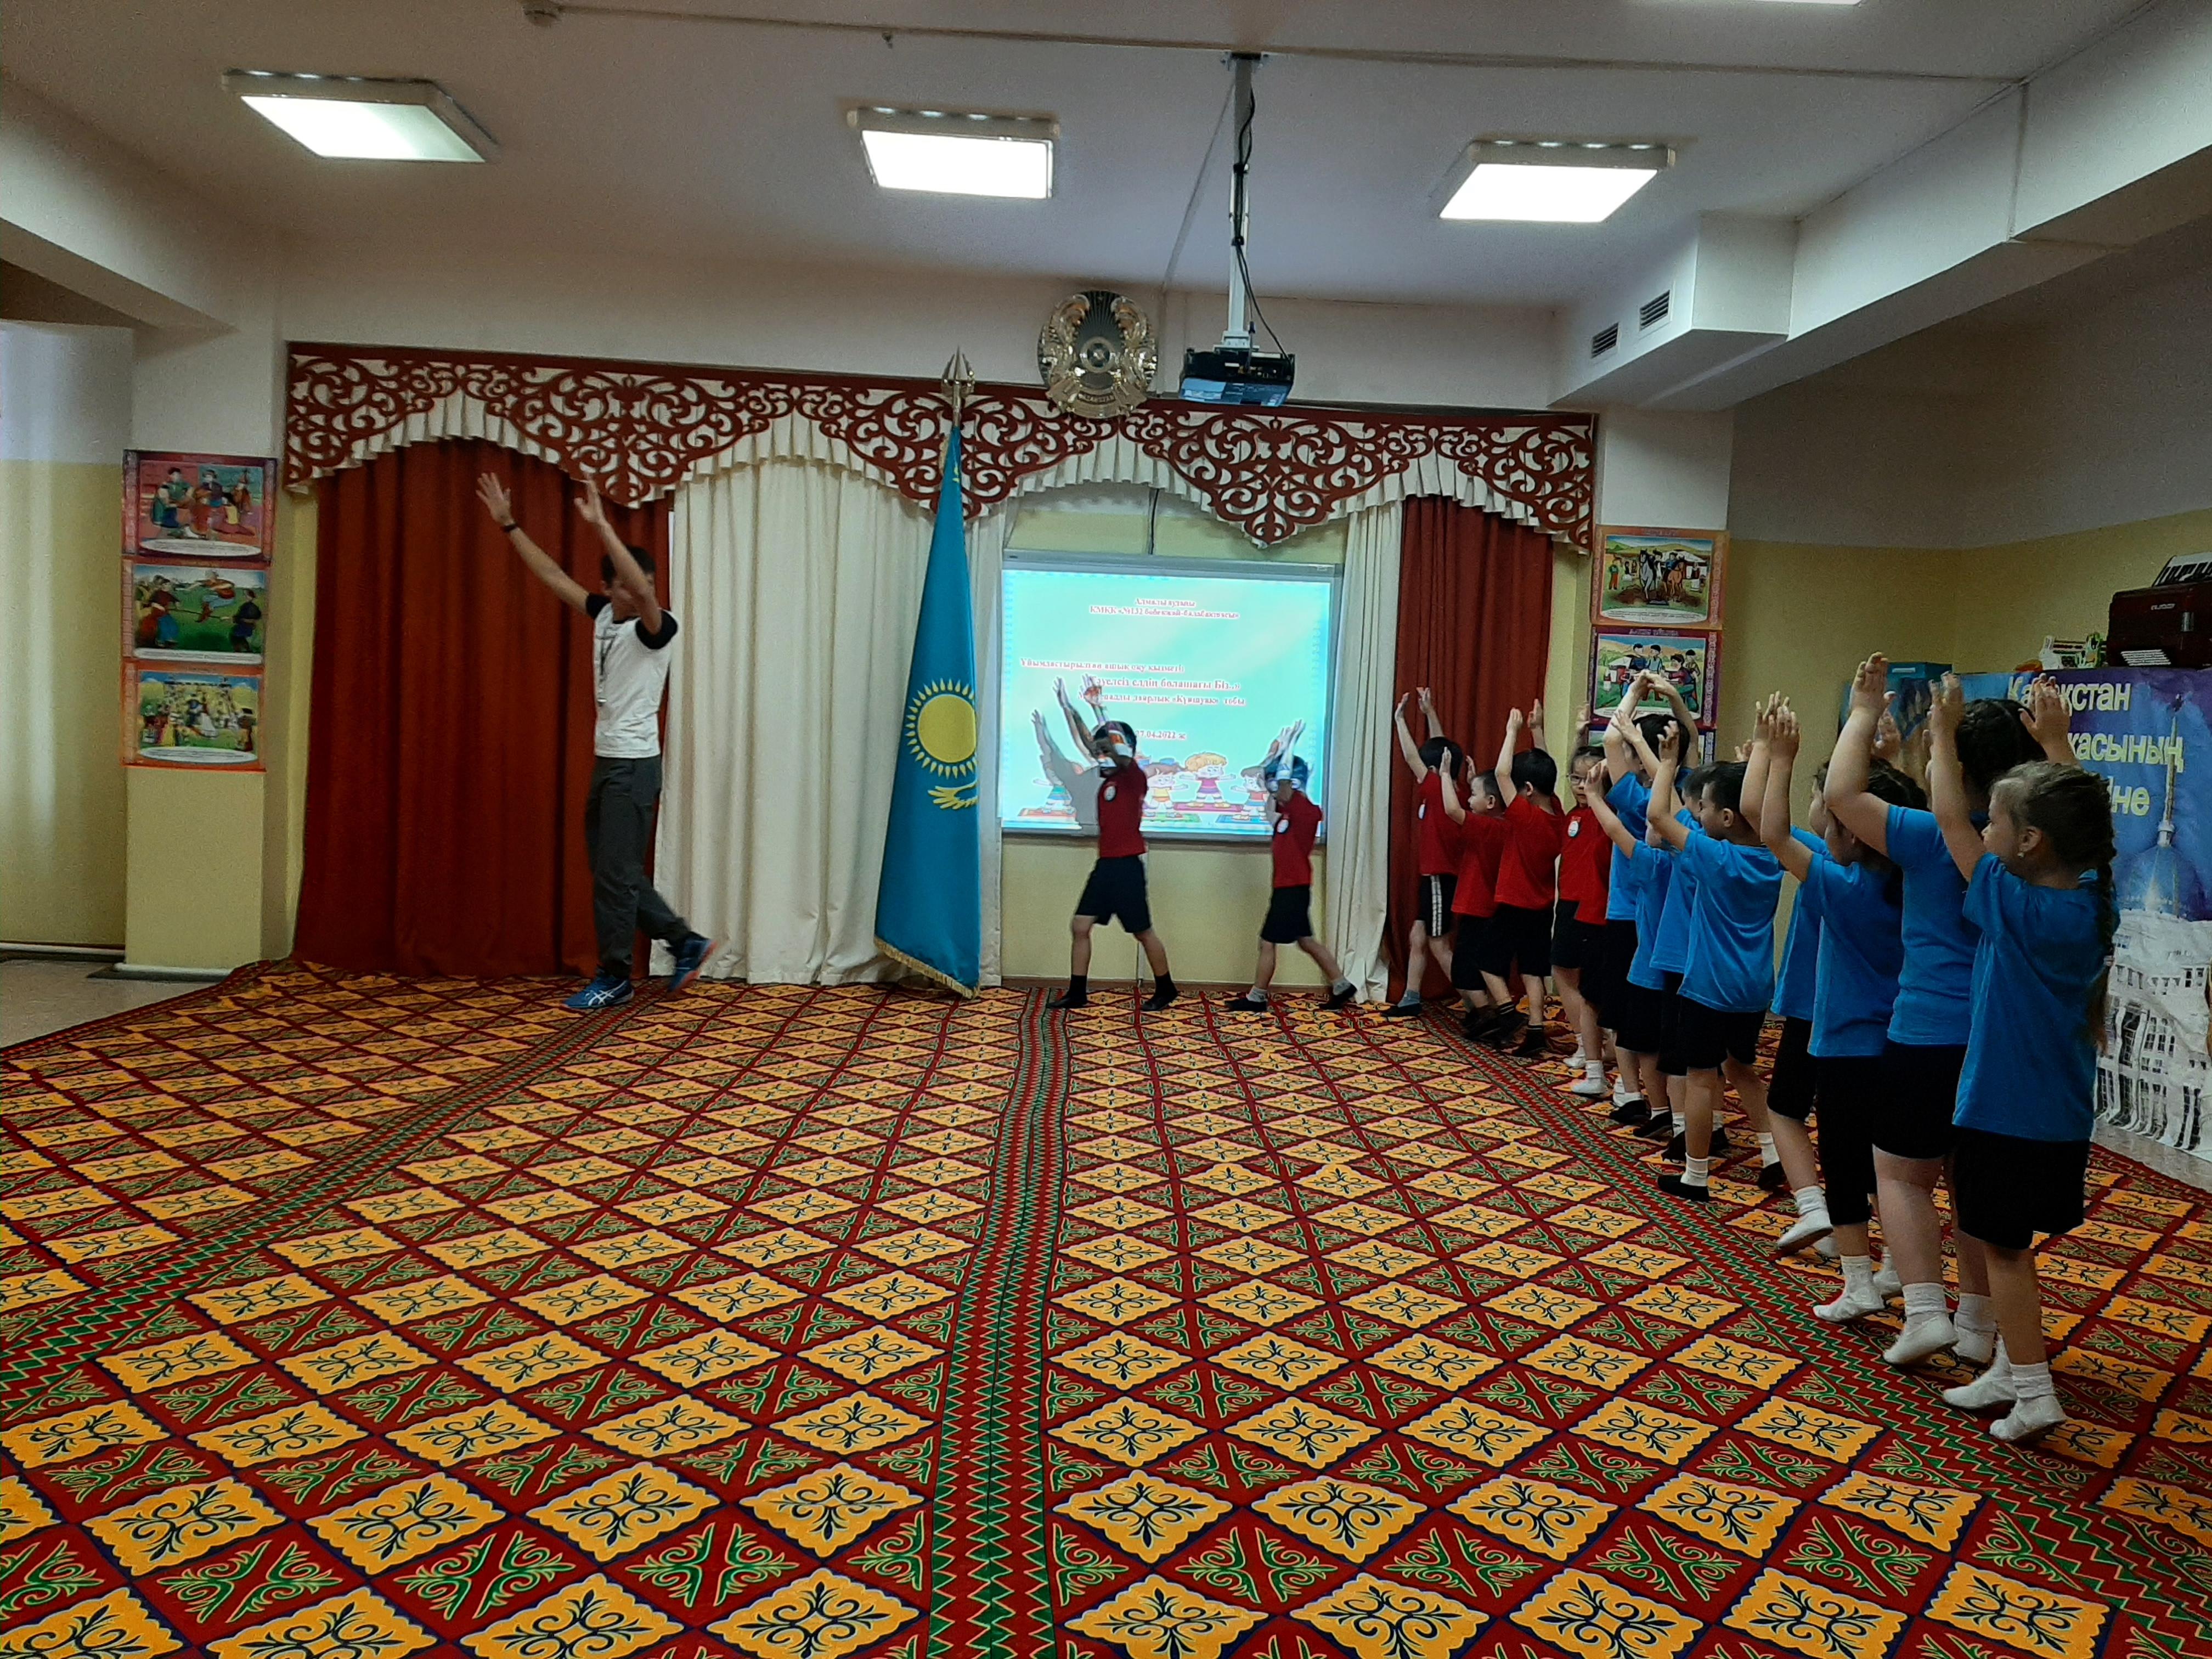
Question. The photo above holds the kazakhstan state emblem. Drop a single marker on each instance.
(940, 735)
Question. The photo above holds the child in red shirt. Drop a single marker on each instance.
(1578, 926)
(1520, 933)
(1474, 898)
(1117, 887)
(1435, 847)
(1292, 820)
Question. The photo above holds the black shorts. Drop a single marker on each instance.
(1671, 1063)
(1791, 1090)
(1290, 916)
(1115, 892)
(1920, 1091)
(1849, 1086)
(2009, 1189)
(1434, 902)
(1518, 937)
(1710, 1037)
(1639, 1014)
(1468, 946)
(1576, 944)
(1606, 982)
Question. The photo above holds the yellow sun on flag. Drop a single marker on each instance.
(940, 734)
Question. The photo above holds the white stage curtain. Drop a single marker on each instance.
(987, 549)
(1357, 905)
(796, 584)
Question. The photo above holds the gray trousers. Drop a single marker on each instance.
(618, 832)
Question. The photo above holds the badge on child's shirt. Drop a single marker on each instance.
(1282, 825)
(1110, 792)
(1576, 828)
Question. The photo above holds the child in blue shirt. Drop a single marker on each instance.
(1855, 894)
(1729, 978)
(1927, 1038)
(2040, 891)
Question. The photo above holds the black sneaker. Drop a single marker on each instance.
(1674, 1186)
(1720, 1142)
(1341, 999)
(1506, 1031)
(1245, 1005)
(1161, 997)
(1660, 1125)
(1535, 1044)
(1402, 1011)
(1772, 1178)
(1632, 1113)
(1069, 1000)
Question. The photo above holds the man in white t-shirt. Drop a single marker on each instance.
(630, 637)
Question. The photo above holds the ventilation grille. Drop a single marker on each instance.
(1653, 312)
(1605, 339)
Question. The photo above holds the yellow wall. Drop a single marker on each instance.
(2007, 599)
(284, 718)
(62, 842)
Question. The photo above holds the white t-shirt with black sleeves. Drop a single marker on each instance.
(629, 673)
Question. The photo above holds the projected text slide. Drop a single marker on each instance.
(1208, 669)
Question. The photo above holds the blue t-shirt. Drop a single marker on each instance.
(1933, 992)
(1800, 951)
(1651, 872)
(1861, 948)
(1628, 799)
(1672, 954)
(1732, 955)
(2031, 1063)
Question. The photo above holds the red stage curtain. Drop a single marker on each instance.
(450, 740)
(1474, 626)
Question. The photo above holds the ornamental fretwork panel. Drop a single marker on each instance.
(638, 430)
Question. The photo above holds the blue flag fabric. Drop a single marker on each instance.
(929, 906)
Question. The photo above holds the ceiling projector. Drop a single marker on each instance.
(1233, 373)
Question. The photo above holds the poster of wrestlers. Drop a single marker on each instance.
(1659, 577)
(197, 507)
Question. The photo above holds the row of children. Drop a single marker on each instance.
(1941, 993)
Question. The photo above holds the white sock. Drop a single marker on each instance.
(1258, 993)
(1973, 1314)
(1858, 1298)
(1858, 1272)
(1694, 1170)
(1811, 1200)
(1412, 998)
(1768, 1157)
(2033, 1382)
(1623, 1089)
(1927, 1329)
(1924, 1300)
(1681, 1124)
(2035, 1410)
(1993, 1387)
(1338, 988)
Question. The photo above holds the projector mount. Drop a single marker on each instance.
(1235, 373)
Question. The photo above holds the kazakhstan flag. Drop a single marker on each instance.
(929, 906)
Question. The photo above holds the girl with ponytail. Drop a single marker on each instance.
(2039, 889)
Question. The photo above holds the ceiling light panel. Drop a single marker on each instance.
(355, 117)
(1548, 180)
(944, 152)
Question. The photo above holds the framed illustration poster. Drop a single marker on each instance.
(182, 613)
(1658, 578)
(190, 717)
(1687, 659)
(197, 507)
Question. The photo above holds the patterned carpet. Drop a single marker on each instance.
(355, 1318)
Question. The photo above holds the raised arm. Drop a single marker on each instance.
(1429, 712)
(1619, 760)
(493, 494)
(1536, 738)
(627, 570)
(1662, 809)
(1864, 815)
(1755, 763)
(1455, 809)
(1077, 726)
(1406, 747)
(1947, 779)
(1506, 750)
(1607, 819)
(1778, 737)
(2047, 718)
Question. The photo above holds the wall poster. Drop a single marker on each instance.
(197, 533)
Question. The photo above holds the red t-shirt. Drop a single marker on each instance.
(1534, 835)
(1293, 841)
(1585, 865)
(1482, 840)
(1122, 812)
(1435, 837)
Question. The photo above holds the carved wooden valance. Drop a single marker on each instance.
(637, 430)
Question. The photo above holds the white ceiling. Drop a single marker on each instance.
(701, 140)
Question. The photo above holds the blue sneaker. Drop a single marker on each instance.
(690, 956)
(607, 990)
